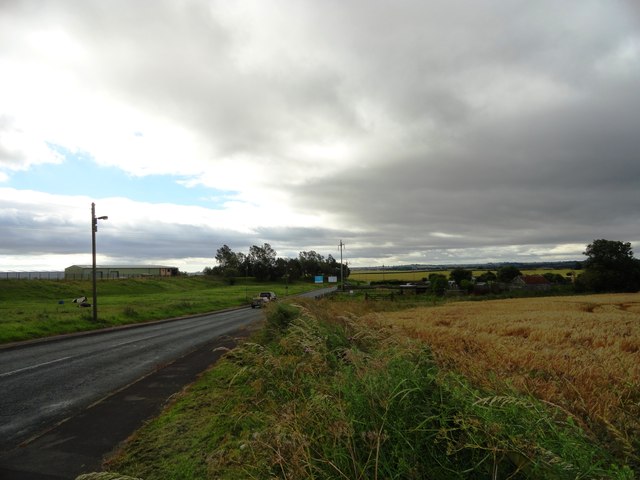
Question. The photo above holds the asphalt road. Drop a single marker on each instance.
(68, 401)
(44, 383)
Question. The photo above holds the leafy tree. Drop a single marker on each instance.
(227, 260)
(487, 277)
(331, 266)
(346, 271)
(262, 263)
(508, 273)
(610, 267)
(208, 271)
(608, 254)
(555, 278)
(460, 274)
(466, 285)
(439, 283)
(280, 269)
(243, 265)
(311, 263)
(294, 269)
(262, 259)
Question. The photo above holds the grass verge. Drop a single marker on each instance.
(325, 395)
(39, 308)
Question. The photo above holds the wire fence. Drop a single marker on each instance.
(32, 276)
(100, 275)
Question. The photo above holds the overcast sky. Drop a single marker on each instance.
(414, 131)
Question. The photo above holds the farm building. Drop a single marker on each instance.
(77, 272)
(531, 282)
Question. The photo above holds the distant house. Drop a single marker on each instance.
(84, 272)
(531, 282)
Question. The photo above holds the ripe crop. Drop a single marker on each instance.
(579, 353)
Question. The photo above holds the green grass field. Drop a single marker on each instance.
(39, 308)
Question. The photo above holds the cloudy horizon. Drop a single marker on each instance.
(416, 132)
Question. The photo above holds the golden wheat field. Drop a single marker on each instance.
(580, 353)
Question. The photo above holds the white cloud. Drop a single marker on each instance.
(424, 130)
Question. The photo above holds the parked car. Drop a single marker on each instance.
(262, 299)
(259, 302)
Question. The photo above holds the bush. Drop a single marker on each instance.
(439, 284)
(466, 286)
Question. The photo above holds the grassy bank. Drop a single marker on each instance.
(326, 392)
(39, 308)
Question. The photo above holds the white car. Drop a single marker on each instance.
(262, 299)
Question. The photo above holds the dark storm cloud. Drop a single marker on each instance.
(25, 233)
(561, 174)
(468, 129)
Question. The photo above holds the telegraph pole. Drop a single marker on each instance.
(94, 229)
(341, 245)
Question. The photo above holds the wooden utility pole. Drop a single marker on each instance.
(341, 271)
(94, 229)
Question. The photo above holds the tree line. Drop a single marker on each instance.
(263, 263)
(610, 267)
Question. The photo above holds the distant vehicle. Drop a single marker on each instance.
(262, 299)
(259, 302)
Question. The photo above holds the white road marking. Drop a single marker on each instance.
(32, 367)
(44, 364)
